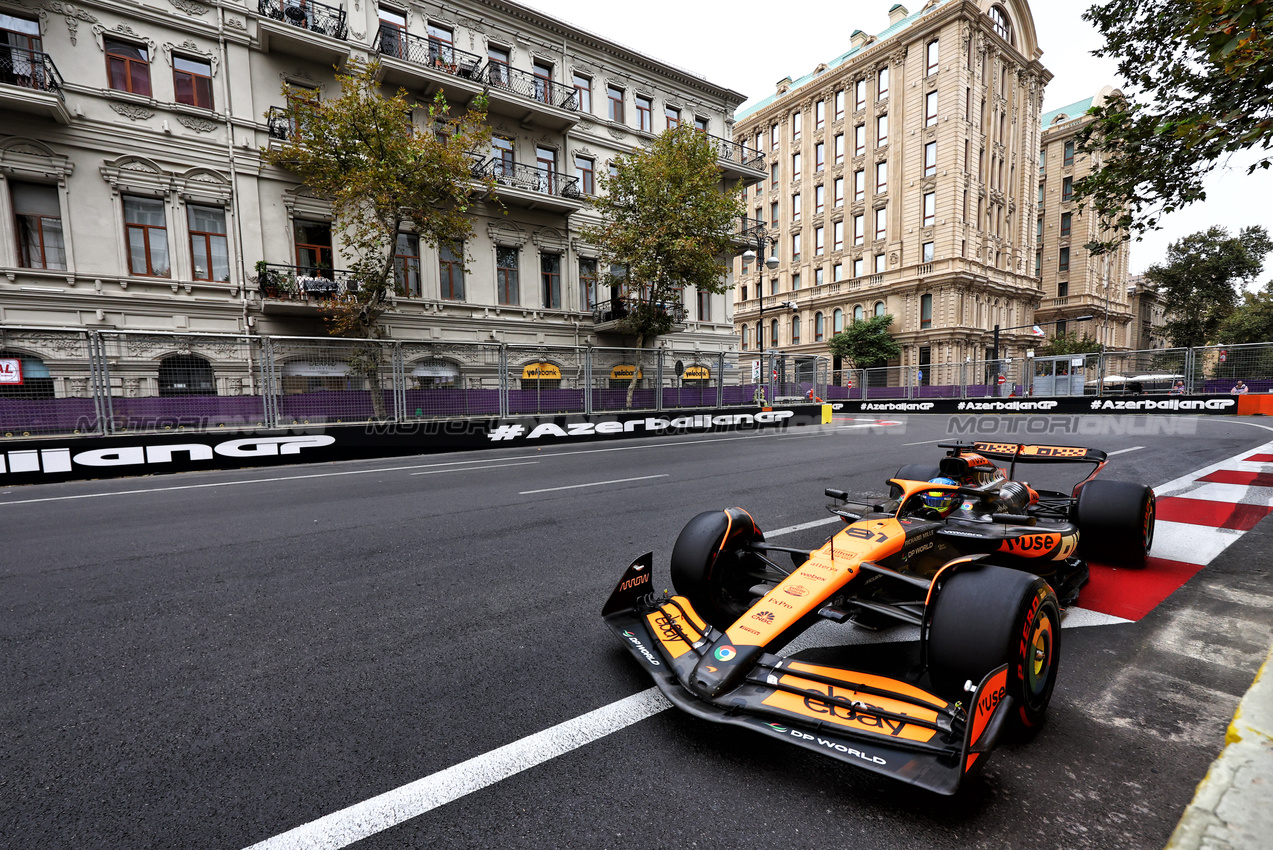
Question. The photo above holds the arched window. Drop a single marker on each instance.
(819, 331)
(746, 336)
(773, 335)
(186, 374)
(857, 313)
(795, 330)
(879, 308)
(1001, 23)
(37, 381)
(837, 321)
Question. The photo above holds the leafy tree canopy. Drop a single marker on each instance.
(866, 344)
(1199, 74)
(364, 153)
(1069, 343)
(1252, 321)
(1201, 279)
(668, 225)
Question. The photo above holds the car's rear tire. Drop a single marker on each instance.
(987, 616)
(918, 472)
(708, 565)
(1115, 521)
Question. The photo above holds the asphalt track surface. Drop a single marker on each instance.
(215, 660)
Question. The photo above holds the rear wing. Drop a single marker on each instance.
(1026, 453)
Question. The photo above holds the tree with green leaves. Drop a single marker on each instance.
(667, 225)
(866, 344)
(1069, 343)
(1251, 321)
(1201, 279)
(1199, 74)
(363, 152)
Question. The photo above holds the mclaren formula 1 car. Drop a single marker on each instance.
(982, 563)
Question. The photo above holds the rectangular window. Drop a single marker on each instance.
(859, 229)
(506, 275)
(497, 66)
(925, 312)
(1043, 160)
(819, 276)
(795, 207)
(859, 267)
(795, 126)
(441, 43)
(147, 236)
(588, 284)
(930, 55)
(39, 225)
(859, 185)
(926, 252)
(451, 272)
(837, 236)
(859, 140)
(795, 166)
(819, 114)
(585, 170)
(406, 265)
(645, 119)
(795, 247)
(879, 263)
(930, 159)
(704, 300)
(1069, 154)
(1067, 188)
(881, 84)
(1067, 222)
(773, 137)
(795, 281)
(773, 213)
(930, 109)
(502, 153)
(672, 115)
(1063, 260)
(839, 192)
(819, 156)
(550, 270)
(859, 95)
(583, 93)
(1038, 230)
(1062, 288)
(209, 247)
(614, 99)
(392, 35)
(313, 247)
(839, 149)
(839, 105)
(819, 199)
(1038, 263)
(881, 131)
(700, 124)
(837, 273)
(192, 81)
(881, 177)
(881, 222)
(543, 73)
(773, 176)
(127, 66)
(819, 241)
(1042, 185)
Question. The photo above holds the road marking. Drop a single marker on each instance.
(477, 468)
(593, 484)
(362, 820)
(1125, 451)
(802, 526)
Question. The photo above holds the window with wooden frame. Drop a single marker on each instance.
(406, 265)
(672, 116)
(38, 217)
(930, 108)
(583, 93)
(930, 159)
(127, 66)
(930, 58)
(645, 117)
(209, 245)
(585, 171)
(146, 234)
(506, 285)
(451, 272)
(1067, 223)
(550, 271)
(614, 99)
(192, 81)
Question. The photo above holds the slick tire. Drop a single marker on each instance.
(1115, 521)
(988, 616)
(709, 565)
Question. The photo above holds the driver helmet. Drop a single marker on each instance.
(942, 501)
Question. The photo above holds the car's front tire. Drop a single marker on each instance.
(988, 616)
(709, 565)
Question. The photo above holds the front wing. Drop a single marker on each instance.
(874, 722)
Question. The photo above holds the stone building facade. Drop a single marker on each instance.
(134, 195)
(1075, 281)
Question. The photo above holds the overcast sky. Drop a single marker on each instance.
(748, 46)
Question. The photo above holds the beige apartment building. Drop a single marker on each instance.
(903, 180)
(134, 195)
(1076, 282)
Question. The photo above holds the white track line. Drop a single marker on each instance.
(593, 484)
(1125, 451)
(478, 468)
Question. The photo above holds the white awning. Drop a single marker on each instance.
(436, 370)
(309, 369)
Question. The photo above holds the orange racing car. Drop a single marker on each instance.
(982, 563)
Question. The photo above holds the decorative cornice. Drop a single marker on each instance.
(190, 7)
(199, 125)
(128, 110)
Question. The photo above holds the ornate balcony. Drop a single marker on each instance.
(289, 26)
(530, 186)
(608, 314)
(30, 82)
(738, 161)
(529, 98)
(291, 289)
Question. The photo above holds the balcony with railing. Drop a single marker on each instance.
(292, 288)
(411, 60)
(289, 26)
(531, 186)
(608, 315)
(737, 160)
(30, 82)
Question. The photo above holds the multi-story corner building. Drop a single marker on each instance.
(1075, 281)
(134, 195)
(1149, 315)
(902, 180)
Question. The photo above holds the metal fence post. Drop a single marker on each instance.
(720, 380)
(587, 380)
(658, 378)
(100, 381)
